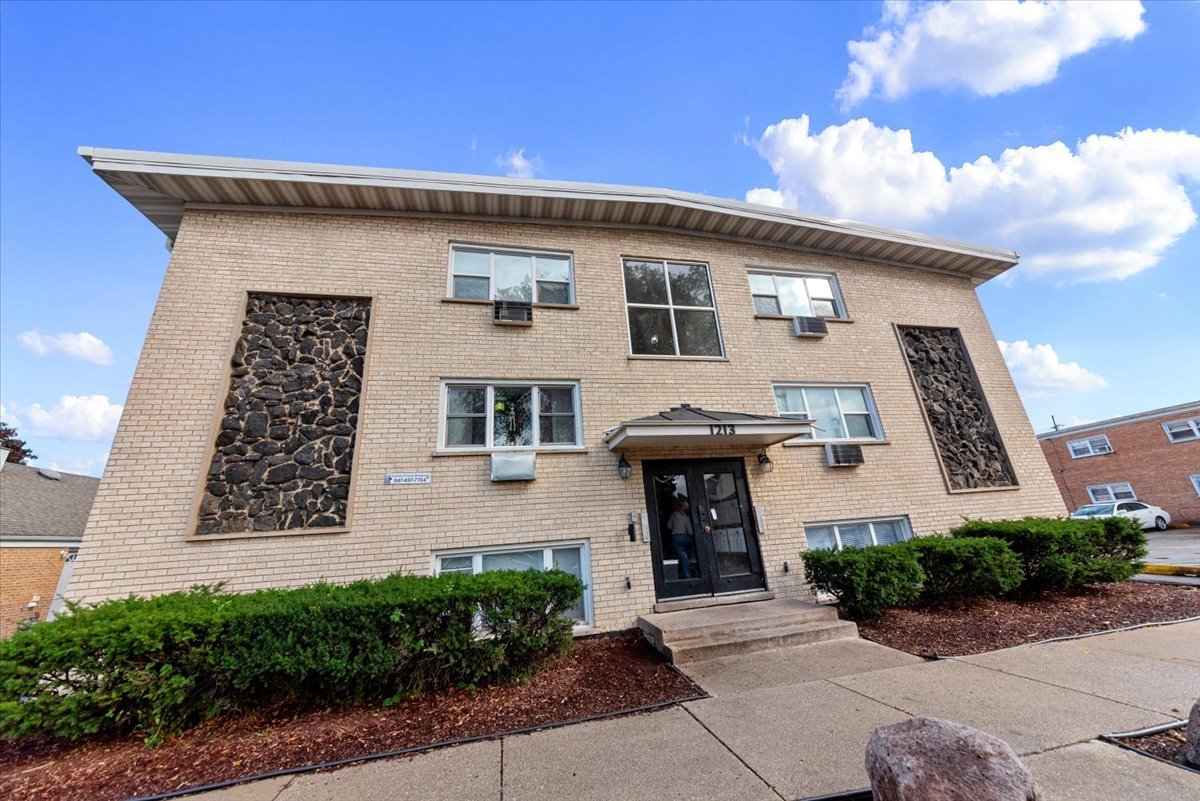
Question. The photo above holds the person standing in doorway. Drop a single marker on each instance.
(680, 526)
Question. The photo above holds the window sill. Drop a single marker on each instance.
(790, 316)
(652, 358)
(490, 451)
(1089, 455)
(479, 302)
(261, 535)
(809, 443)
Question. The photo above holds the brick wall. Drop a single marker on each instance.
(1157, 468)
(24, 573)
(138, 534)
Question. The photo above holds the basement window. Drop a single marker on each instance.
(569, 557)
(1107, 493)
(857, 533)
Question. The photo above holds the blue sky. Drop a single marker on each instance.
(1077, 126)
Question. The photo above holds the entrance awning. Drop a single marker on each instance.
(686, 425)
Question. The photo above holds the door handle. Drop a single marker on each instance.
(708, 529)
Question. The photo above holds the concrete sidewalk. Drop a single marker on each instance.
(792, 724)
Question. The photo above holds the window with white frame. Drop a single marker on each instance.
(570, 557)
(796, 295)
(671, 309)
(1196, 483)
(1183, 430)
(837, 412)
(857, 533)
(501, 274)
(510, 414)
(1107, 493)
(1092, 446)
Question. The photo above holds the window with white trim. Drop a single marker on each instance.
(1196, 483)
(857, 533)
(569, 557)
(1183, 430)
(671, 309)
(511, 274)
(837, 412)
(1092, 446)
(1107, 493)
(510, 414)
(796, 294)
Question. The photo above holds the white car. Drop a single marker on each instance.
(1149, 516)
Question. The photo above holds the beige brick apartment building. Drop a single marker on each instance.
(352, 372)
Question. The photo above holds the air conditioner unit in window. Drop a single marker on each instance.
(512, 312)
(809, 326)
(844, 455)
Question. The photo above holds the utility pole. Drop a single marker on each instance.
(1055, 425)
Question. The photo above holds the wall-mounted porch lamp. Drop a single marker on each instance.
(624, 468)
(765, 462)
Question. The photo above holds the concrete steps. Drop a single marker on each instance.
(698, 634)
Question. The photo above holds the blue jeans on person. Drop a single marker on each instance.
(682, 543)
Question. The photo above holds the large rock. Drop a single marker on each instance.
(926, 759)
(1192, 750)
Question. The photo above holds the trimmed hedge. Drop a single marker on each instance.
(158, 665)
(969, 567)
(866, 580)
(1060, 553)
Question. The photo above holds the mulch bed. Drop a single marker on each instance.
(1168, 745)
(983, 625)
(602, 675)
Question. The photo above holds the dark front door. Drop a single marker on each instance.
(701, 528)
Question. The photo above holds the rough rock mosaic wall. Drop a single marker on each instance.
(967, 439)
(283, 454)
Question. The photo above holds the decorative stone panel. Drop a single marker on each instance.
(283, 454)
(968, 442)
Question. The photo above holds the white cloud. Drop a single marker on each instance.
(84, 467)
(1107, 209)
(85, 346)
(1076, 420)
(988, 47)
(516, 165)
(90, 418)
(1038, 371)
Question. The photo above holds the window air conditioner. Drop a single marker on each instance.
(844, 455)
(809, 326)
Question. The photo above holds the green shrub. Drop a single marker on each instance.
(966, 567)
(1060, 553)
(866, 580)
(157, 665)
(1120, 549)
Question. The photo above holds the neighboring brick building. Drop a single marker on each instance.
(42, 517)
(1152, 457)
(326, 392)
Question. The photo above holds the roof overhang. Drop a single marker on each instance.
(700, 427)
(162, 185)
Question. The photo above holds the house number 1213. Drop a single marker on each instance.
(722, 431)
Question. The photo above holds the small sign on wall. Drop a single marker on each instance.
(407, 478)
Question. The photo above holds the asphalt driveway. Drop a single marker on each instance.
(1174, 547)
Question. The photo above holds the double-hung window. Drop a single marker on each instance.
(1183, 430)
(671, 309)
(796, 295)
(857, 533)
(510, 414)
(522, 275)
(571, 557)
(837, 412)
(1107, 493)
(1092, 446)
